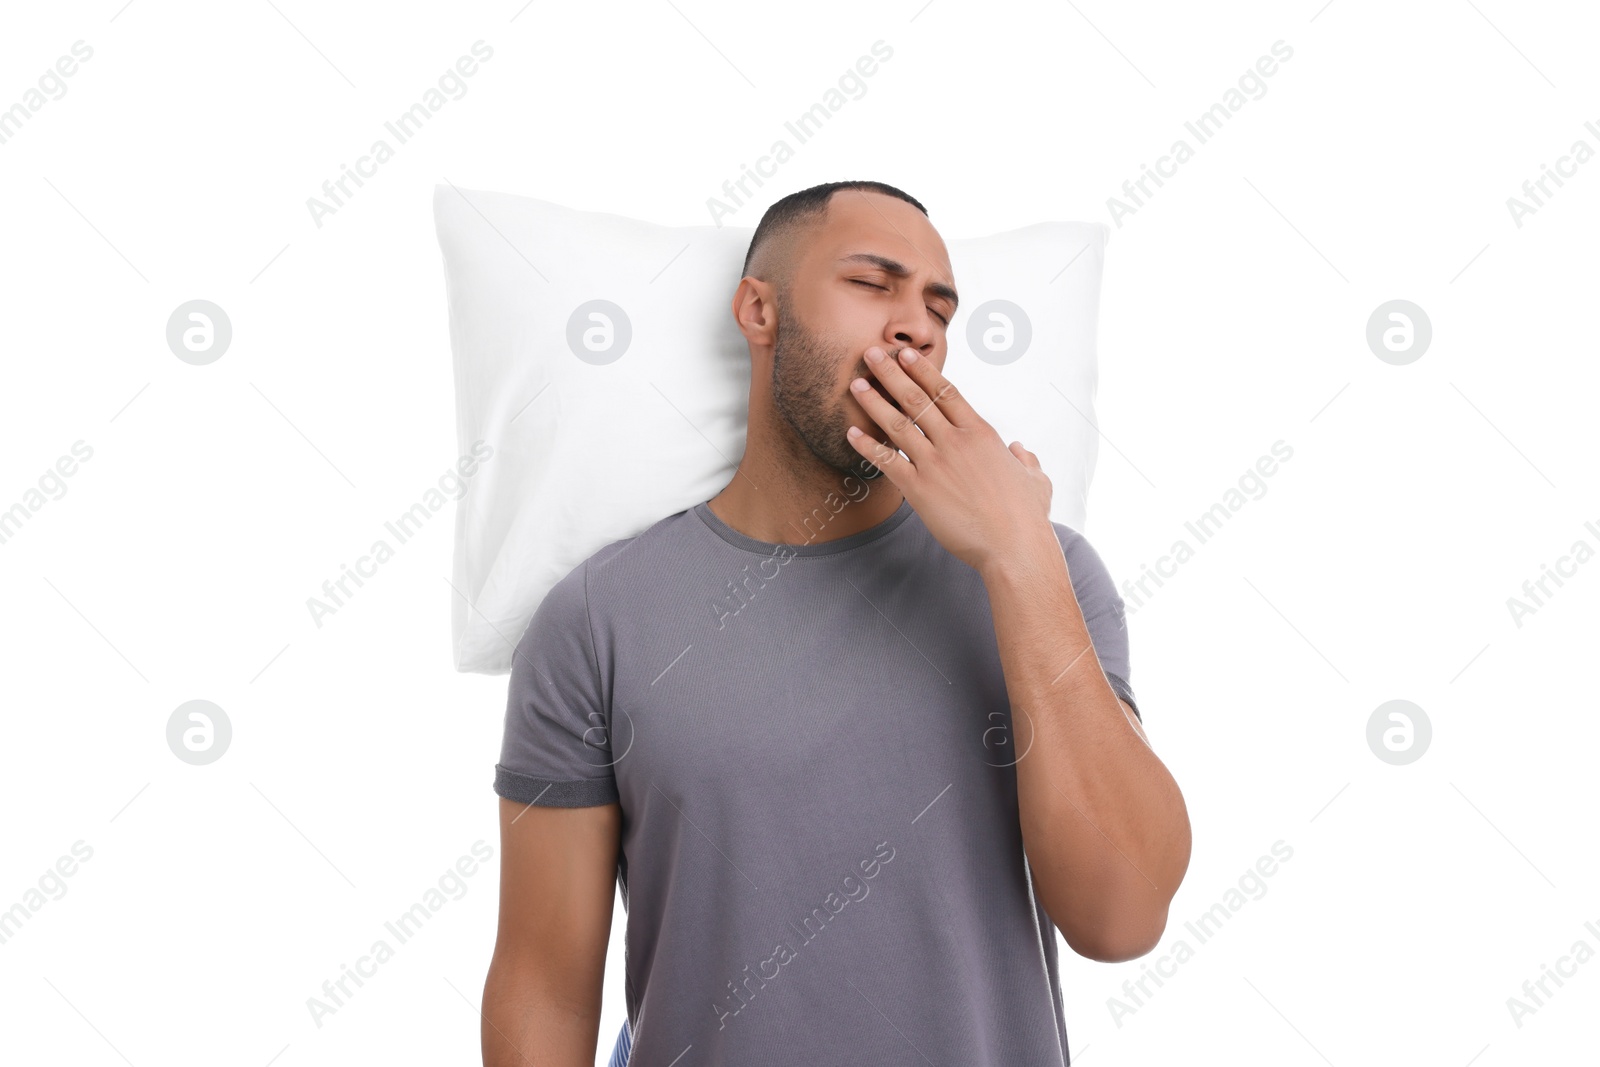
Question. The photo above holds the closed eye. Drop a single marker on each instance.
(885, 288)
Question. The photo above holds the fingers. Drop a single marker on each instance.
(882, 456)
(921, 390)
(902, 431)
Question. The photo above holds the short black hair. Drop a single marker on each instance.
(804, 206)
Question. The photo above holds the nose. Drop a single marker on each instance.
(910, 326)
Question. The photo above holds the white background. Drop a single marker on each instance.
(1377, 565)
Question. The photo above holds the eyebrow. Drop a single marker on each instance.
(900, 270)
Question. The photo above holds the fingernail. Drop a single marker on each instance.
(875, 354)
(909, 355)
(860, 385)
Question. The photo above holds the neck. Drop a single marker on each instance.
(785, 495)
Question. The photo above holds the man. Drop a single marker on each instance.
(856, 734)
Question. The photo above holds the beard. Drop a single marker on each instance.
(805, 395)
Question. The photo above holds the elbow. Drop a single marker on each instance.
(1112, 949)
(1117, 942)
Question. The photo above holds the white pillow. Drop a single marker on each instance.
(597, 361)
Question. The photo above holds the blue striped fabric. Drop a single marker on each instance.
(619, 1055)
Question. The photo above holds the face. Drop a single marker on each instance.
(875, 273)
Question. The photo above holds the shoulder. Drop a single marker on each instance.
(575, 594)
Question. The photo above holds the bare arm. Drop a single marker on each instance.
(558, 869)
(1104, 825)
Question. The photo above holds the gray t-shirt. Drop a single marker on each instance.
(822, 862)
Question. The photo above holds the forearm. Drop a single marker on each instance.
(526, 1021)
(1103, 823)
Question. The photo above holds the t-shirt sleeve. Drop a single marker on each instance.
(1102, 610)
(556, 751)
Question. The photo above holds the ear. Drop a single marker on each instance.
(755, 311)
